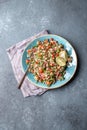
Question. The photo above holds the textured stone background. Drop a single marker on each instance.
(60, 109)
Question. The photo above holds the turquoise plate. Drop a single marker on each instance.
(70, 71)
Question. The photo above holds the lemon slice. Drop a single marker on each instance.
(60, 61)
(64, 55)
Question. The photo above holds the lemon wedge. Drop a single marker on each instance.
(64, 55)
(60, 61)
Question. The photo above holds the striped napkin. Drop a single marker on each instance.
(15, 54)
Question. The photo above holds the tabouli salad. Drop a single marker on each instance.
(48, 61)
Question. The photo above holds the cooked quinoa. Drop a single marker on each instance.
(48, 61)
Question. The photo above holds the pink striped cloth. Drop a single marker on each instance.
(15, 54)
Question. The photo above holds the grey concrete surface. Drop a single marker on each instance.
(60, 109)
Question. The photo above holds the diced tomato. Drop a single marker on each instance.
(54, 42)
(34, 50)
(40, 70)
(53, 55)
(37, 62)
(51, 64)
(27, 61)
(60, 75)
(57, 54)
(53, 58)
(48, 47)
(50, 69)
(42, 76)
(40, 46)
(29, 50)
(48, 83)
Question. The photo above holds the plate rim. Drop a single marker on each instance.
(46, 86)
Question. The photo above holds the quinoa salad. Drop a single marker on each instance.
(48, 61)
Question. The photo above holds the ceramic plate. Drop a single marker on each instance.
(70, 71)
